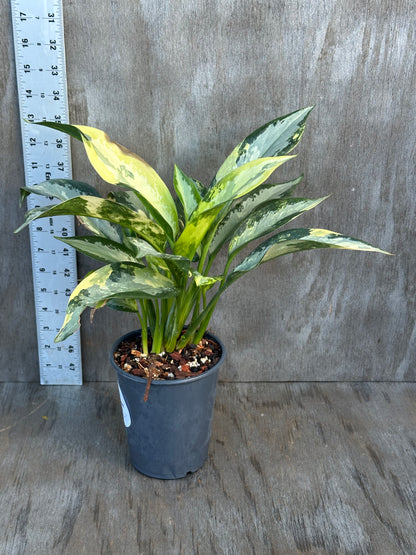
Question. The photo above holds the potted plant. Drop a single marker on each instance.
(158, 253)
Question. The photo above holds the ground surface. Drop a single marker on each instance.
(293, 468)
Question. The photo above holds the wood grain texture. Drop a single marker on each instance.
(292, 468)
(184, 82)
(17, 323)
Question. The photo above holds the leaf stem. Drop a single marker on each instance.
(143, 323)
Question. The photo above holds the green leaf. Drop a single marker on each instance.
(202, 189)
(123, 280)
(241, 181)
(142, 249)
(129, 198)
(100, 248)
(118, 165)
(187, 190)
(123, 305)
(106, 210)
(233, 186)
(294, 240)
(276, 138)
(245, 207)
(62, 189)
(194, 232)
(71, 130)
(65, 189)
(268, 218)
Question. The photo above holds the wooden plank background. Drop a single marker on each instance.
(183, 82)
(324, 469)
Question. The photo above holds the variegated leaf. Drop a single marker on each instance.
(65, 189)
(142, 249)
(103, 209)
(62, 189)
(268, 218)
(203, 281)
(123, 280)
(294, 240)
(236, 184)
(241, 181)
(275, 138)
(187, 190)
(116, 164)
(245, 207)
(202, 189)
(100, 248)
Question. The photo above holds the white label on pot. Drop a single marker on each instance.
(125, 409)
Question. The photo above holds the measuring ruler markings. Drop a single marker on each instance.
(41, 79)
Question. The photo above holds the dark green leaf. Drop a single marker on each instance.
(142, 249)
(129, 198)
(187, 190)
(276, 138)
(63, 127)
(123, 305)
(62, 189)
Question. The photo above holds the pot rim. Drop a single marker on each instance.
(165, 383)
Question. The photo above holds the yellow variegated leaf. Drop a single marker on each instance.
(118, 165)
(234, 185)
(204, 281)
(95, 207)
(124, 280)
(295, 240)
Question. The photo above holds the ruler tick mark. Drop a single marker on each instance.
(38, 32)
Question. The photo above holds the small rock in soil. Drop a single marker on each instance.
(189, 362)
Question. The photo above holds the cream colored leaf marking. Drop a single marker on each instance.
(269, 217)
(295, 240)
(203, 281)
(241, 181)
(116, 164)
(114, 280)
(233, 186)
(245, 207)
(108, 210)
(100, 248)
(278, 137)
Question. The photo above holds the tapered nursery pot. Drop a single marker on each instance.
(168, 435)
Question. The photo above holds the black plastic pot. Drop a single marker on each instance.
(168, 435)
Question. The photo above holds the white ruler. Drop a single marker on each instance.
(41, 79)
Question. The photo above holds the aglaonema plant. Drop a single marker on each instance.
(158, 251)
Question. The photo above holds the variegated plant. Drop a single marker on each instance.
(158, 252)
